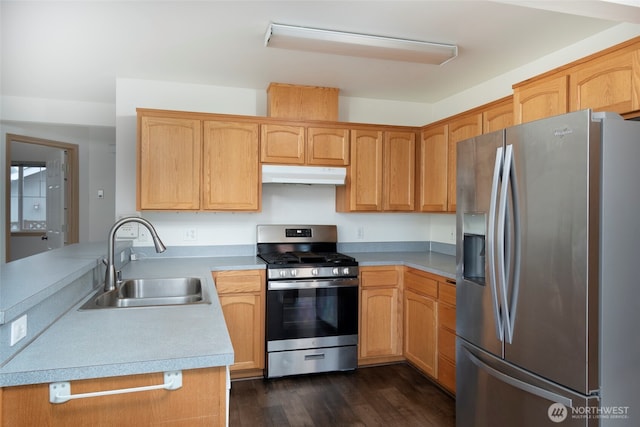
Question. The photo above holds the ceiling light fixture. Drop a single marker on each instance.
(353, 44)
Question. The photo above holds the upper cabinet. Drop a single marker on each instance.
(189, 161)
(169, 163)
(433, 150)
(606, 81)
(300, 145)
(231, 168)
(464, 127)
(537, 99)
(381, 174)
(436, 153)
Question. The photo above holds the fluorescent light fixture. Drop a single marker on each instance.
(353, 44)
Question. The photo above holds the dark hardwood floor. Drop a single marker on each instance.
(391, 395)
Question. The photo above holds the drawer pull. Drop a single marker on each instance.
(314, 356)
(60, 392)
(451, 281)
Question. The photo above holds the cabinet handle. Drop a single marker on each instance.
(60, 392)
(451, 281)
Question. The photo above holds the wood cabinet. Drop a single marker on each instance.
(242, 297)
(447, 334)
(462, 127)
(605, 81)
(231, 167)
(420, 320)
(399, 174)
(432, 153)
(381, 175)
(190, 161)
(537, 99)
(497, 115)
(380, 331)
(300, 145)
(201, 401)
(169, 163)
(298, 102)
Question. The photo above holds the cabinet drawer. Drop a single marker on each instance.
(447, 344)
(378, 276)
(418, 283)
(447, 293)
(447, 374)
(447, 316)
(238, 281)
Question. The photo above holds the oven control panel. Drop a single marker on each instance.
(311, 272)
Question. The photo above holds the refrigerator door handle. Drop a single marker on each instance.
(527, 388)
(491, 244)
(500, 243)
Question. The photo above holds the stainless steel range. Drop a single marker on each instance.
(312, 300)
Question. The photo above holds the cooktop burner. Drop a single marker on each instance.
(303, 257)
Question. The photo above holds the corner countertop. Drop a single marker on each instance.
(432, 262)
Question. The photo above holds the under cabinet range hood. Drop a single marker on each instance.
(280, 174)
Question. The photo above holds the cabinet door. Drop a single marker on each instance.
(242, 297)
(420, 331)
(380, 335)
(498, 116)
(169, 163)
(379, 323)
(399, 171)
(432, 169)
(461, 128)
(201, 401)
(541, 98)
(363, 189)
(282, 144)
(607, 83)
(327, 146)
(231, 166)
(244, 314)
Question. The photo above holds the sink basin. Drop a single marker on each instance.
(150, 292)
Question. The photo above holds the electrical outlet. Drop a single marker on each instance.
(360, 235)
(190, 235)
(18, 329)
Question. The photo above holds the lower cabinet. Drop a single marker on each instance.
(380, 332)
(242, 297)
(447, 335)
(420, 320)
(201, 401)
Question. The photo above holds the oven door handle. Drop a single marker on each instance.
(311, 284)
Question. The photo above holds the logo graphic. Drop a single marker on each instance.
(557, 412)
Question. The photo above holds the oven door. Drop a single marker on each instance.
(311, 313)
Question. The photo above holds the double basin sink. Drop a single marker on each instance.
(149, 293)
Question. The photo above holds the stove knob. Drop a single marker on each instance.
(283, 273)
(335, 271)
(294, 272)
(345, 271)
(314, 271)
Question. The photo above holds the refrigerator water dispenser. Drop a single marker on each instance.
(474, 247)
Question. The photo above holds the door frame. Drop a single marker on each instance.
(72, 199)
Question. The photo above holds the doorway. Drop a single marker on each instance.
(41, 195)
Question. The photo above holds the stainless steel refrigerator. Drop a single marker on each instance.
(548, 274)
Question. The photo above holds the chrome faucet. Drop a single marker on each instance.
(110, 276)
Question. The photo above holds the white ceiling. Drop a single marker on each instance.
(76, 50)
